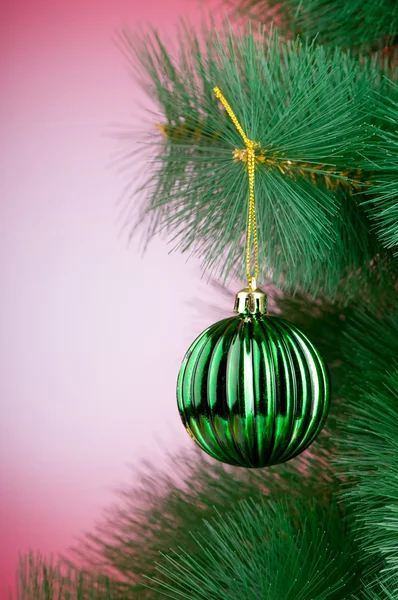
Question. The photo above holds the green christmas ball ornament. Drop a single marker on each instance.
(253, 391)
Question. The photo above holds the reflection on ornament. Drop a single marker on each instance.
(252, 390)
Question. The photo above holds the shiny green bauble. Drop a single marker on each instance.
(253, 391)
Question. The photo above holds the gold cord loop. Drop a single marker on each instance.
(250, 156)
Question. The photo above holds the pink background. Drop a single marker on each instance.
(87, 372)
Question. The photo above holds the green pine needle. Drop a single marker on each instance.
(40, 579)
(368, 446)
(159, 513)
(383, 205)
(311, 112)
(371, 443)
(282, 549)
(378, 590)
(371, 24)
(370, 349)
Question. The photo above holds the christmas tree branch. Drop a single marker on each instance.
(295, 550)
(369, 443)
(310, 112)
(40, 579)
(357, 24)
(383, 202)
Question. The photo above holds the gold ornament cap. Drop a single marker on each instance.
(251, 301)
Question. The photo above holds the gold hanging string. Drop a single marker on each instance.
(249, 155)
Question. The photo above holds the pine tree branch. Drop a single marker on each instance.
(369, 444)
(281, 549)
(160, 511)
(311, 112)
(383, 203)
(378, 590)
(362, 25)
(40, 579)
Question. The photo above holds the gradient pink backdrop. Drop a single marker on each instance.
(87, 377)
